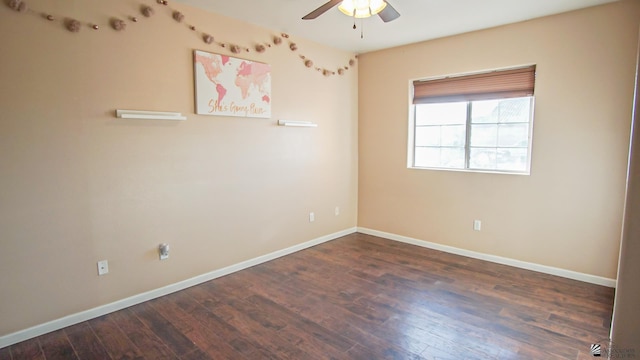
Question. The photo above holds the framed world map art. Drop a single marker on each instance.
(229, 86)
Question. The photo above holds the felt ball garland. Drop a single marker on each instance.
(18, 5)
(178, 16)
(118, 25)
(74, 25)
(147, 11)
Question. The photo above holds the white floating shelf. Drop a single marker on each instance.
(150, 115)
(296, 123)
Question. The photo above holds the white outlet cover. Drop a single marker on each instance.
(477, 225)
(337, 211)
(163, 250)
(103, 267)
(312, 217)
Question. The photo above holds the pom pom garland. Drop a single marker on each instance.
(178, 16)
(118, 24)
(74, 25)
(147, 11)
(18, 5)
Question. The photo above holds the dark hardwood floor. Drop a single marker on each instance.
(358, 297)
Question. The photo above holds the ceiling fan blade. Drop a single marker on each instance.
(321, 10)
(388, 13)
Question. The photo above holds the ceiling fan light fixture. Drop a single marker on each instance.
(362, 8)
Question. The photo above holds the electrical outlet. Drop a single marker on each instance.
(163, 250)
(477, 225)
(312, 217)
(103, 267)
(337, 211)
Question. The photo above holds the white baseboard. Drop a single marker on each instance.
(73, 319)
(593, 279)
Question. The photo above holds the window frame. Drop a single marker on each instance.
(412, 125)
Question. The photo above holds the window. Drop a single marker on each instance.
(479, 122)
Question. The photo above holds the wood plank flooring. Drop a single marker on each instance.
(357, 297)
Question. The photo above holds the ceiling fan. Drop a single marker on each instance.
(358, 9)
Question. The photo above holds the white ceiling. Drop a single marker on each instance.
(420, 19)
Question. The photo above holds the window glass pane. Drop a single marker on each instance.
(427, 157)
(441, 114)
(501, 111)
(513, 135)
(515, 110)
(511, 159)
(452, 158)
(482, 158)
(498, 140)
(447, 135)
(485, 111)
(453, 135)
(439, 157)
(428, 136)
(484, 135)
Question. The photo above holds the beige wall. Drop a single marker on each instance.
(625, 328)
(568, 212)
(78, 185)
